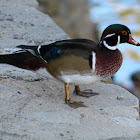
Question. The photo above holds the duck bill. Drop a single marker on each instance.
(132, 41)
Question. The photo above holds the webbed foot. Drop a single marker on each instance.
(72, 104)
(75, 104)
(86, 93)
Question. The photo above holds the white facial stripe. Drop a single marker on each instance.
(112, 47)
(93, 60)
(110, 35)
(107, 37)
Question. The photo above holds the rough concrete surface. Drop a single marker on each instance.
(33, 107)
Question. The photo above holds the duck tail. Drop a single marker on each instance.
(24, 60)
(26, 47)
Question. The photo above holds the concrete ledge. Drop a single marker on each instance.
(22, 23)
(33, 107)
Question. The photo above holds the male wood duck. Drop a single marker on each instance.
(75, 61)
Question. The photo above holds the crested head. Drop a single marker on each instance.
(116, 34)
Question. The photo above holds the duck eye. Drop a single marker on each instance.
(124, 32)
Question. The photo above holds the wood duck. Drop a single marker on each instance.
(75, 61)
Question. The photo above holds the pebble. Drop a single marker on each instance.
(120, 97)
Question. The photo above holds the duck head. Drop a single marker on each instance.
(116, 34)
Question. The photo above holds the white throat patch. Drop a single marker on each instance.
(111, 47)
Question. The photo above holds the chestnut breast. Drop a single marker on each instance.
(108, 63)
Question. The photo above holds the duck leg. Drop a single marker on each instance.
(86, 93)
(72, 104)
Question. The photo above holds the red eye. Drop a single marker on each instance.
(124, 32)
